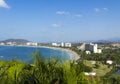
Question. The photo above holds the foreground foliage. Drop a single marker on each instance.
(46, 72)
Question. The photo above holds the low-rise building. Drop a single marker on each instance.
(90, 73)
(88, 52)
(62, 44)
(99, 51)
(11, 43)
(31, 44)
(68, 45)
(109, 62)
(2, 43)
(116, 44)
(55, 44)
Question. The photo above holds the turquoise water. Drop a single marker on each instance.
(24, 53)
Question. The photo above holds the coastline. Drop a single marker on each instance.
(76, 56)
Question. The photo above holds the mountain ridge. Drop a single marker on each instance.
(16, 40)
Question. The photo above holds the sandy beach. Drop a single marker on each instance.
(74, 53)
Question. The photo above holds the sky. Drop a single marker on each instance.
(59, 20)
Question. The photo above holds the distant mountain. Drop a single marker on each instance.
(103, 41)
(16, 40)
(116, 39)
(110, 40)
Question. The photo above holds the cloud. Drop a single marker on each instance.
(3, 4)
(78, 15)
(97, 9)
(62, 12)
(105, 9)
(56, 25)
(101, 9)
(68, 13)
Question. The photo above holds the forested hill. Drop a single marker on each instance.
(16, 40)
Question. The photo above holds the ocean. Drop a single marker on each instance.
(23, 53)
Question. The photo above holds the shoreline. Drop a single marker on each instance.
(76, 56)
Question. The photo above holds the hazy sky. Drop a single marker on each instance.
(59, 20)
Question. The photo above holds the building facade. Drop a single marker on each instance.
(93, 48)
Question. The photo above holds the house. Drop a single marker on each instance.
(90, 74)
(31, 44)
(88, 52)
(62, 44)
(99, 50)
(109, 62)
(2, 43)
(56, 44)
(68, 45)
(11, 43)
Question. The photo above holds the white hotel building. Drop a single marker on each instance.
(90, 48)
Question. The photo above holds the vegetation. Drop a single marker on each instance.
(42, 72)
(49, 72)
(100, 68)
(103, 70)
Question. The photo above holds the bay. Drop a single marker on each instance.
(24, 53)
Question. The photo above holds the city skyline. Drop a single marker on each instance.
(59, 20)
